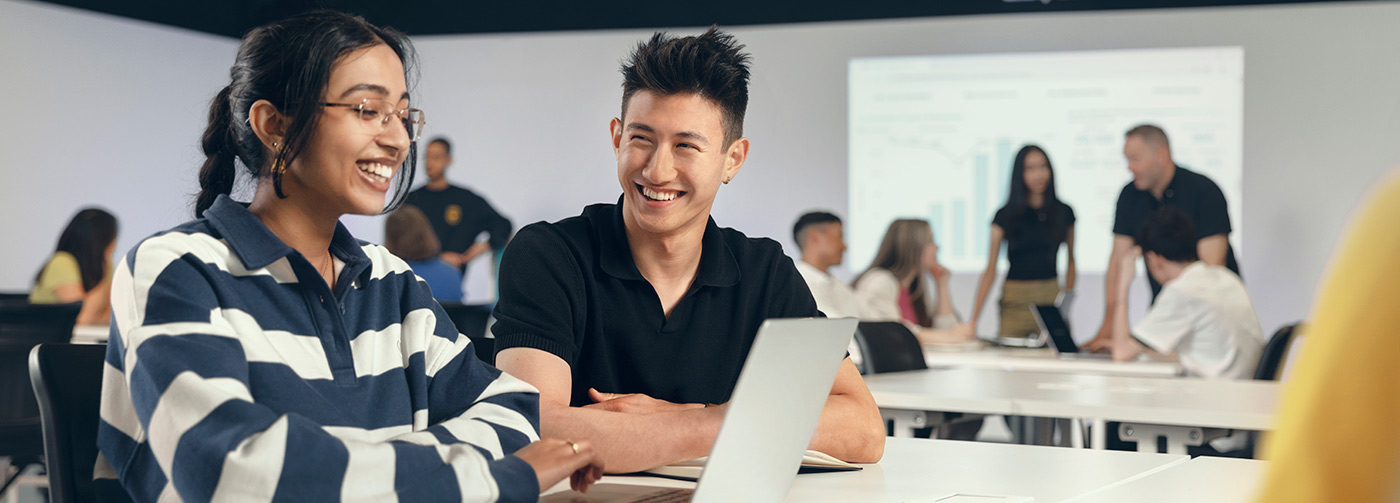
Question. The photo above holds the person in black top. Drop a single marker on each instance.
(633, 319)
(1157, 182)
(457, 214)
(1034, 223)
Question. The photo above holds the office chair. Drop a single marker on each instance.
(68, 385)
(1271, 358)
(888, 346)
(22, 326)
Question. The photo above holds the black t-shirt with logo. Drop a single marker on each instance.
(1192, 193)
(458, 216)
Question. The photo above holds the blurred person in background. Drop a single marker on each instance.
(80, 269)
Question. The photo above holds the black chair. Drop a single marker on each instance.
(471, 319)
(68, 384)
(888, 346)
(1271, 359)
(22, 326)
(39, 322)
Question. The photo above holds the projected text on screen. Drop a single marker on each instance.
(934, 137)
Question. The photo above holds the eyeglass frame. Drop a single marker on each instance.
(360, 108)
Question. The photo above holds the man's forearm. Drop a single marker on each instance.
(850, 429)
(1124, 347)
(633, 442)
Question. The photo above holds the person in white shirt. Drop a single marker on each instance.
(1203, 315)
(823, 244)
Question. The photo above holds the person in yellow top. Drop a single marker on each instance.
(80, 269)
(1336, 438)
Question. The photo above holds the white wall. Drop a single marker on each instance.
(101, 111)
(529, 115)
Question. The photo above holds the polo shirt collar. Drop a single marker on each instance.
(1172, 186)
(257, 247)
(718, 266)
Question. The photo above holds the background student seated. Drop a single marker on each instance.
(80, 269)
(1203, 314)
(894, 287)
(409, 236)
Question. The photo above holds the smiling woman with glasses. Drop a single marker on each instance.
(261, 352)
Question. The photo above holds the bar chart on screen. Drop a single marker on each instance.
(935, 137)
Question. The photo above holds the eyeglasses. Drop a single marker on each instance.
(375, 115)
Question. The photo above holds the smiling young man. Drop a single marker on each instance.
(633, 319)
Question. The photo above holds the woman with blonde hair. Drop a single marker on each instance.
(895, 287)
(409, 235)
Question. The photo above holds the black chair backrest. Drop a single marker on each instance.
(13, 297)
(1271, 357)
(39, 322)
(22, 326)
(471, 320)
(68, 383)
(888, 346)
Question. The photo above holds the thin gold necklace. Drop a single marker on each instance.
(330, 271)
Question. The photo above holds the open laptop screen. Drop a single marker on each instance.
(1053, 323)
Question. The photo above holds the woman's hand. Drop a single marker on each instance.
(554, 459)
(940, 273)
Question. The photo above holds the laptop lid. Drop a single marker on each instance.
(774, 409)
(1053, 323)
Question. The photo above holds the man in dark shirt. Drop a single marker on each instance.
(457, 215)
(633, 319)
(1157, 182)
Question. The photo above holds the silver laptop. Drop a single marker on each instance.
(769, 423)
(1053, 323)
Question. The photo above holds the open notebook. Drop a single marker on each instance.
(812, 462)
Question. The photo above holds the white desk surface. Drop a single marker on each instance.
(1204, 479)
(918, 469)
(91, 334)
(1045, 360)
(1239, 404)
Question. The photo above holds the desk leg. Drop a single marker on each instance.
(905, 421)
(1099, 437)
(1178, 437)
(1076, 433)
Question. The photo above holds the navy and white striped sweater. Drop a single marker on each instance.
(235, 374)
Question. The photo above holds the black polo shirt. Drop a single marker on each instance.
(1193, 194)
(572, 288)
(1033, 238)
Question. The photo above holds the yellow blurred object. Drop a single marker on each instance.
(1337, 437)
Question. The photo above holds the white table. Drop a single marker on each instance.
(91, 334)
(1204, 479)
(1179, 405)
(1046, 360)
(914, 469)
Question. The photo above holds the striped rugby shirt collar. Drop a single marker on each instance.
(257, 247)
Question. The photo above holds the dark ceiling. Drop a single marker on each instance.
(432, 17)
